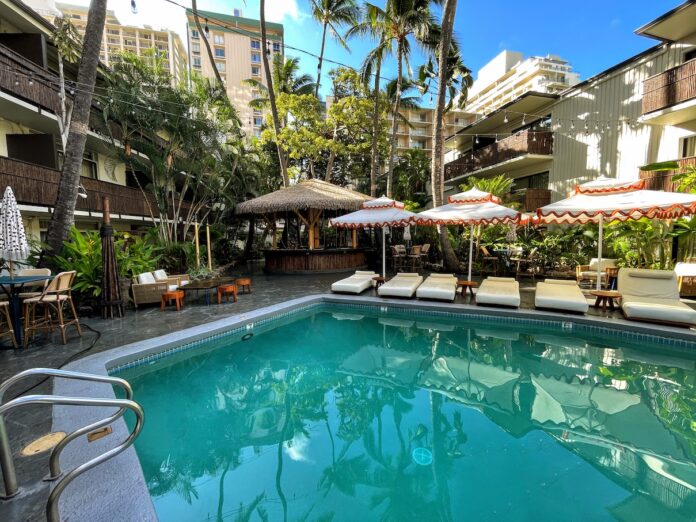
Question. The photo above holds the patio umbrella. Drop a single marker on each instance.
(473, 207)
(112, 304)
(13, 241)
(607, 199)
(378, 213)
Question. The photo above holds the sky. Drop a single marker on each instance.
(592, 36)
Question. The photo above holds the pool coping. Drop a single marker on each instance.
(120, 485)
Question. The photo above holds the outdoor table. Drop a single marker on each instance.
(379, 281)
(16, 286)
(463, 284)
(605, 297)
(207, 286)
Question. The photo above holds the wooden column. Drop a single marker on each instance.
(355, 238)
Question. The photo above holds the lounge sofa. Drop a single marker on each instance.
(442, 287)
(401, 285)
(499, 291)
(653, 296)
(148, 287)
(589, 272)
(559, 294)
(360, 281)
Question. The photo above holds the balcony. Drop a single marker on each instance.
(518, 150)
(670, 97)
(36, 185)
(532, 198)
(665, 180)
(39, 90)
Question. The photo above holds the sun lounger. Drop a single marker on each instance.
(557, 294)
(360, 281)
(653, 295)
(501, 291)
(401, 285)
(438, 286)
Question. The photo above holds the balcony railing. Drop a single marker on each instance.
(37, 185)
(532, 198)
(665, 180)
(520, 144)
(27, 80)
(675, 85)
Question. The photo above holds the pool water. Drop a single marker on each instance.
(341, 414)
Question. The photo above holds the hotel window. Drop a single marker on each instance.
(197, 62)
(688, 147)
(218, 39)
(690, 54)
(220, 66)
(258, 112)
(89, 167)
(255, 58)
(196, 48)
(258, 122)
(219, 53)
(255, 94)
(255, 70)
(194, 34)
(276, 47)
(255, 44)
(535, 181)
(76, 16)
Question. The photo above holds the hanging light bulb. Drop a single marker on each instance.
(16, 80)
(31, 80)
(572, 124)
(534, 137)
(111, 100)
(134, 8)
(505, 120)
(524, 119)
(206, 29)
(268, 50)
(72, 92)
(477, 140)
(431, 97)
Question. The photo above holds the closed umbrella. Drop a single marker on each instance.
(112, 303)
(13, 241)
(378, 213)
(607, 199)
(473, 207)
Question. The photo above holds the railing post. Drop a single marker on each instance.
(9, 476)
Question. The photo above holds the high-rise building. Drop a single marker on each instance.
(236, 45)
(509, 75)
(118, 37)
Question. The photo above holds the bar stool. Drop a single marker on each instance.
(243, 284)
(53, 299)
(225, 291)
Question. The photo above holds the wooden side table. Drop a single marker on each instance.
(243, 284)
(379, 281)
(225, 291)
(176, 295)
(464, 284)
(605, 297)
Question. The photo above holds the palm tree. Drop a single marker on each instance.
(64, 211)
(330, 14)
(395, 25)
(67, 41)
(285, 79)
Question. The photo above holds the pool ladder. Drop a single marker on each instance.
(6, 461)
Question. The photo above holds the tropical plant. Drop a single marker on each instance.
(286, 79)
(63, 215)
(331, 14)
(67, 42)
(499, 186)
(136, 255)
(411, 174)
(82, 252)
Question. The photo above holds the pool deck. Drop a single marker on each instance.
(148, 323)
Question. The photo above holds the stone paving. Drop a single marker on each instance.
(28, 424)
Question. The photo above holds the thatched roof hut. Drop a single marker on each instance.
(311, 194)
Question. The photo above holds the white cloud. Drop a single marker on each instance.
(297, 448)
(278, 10)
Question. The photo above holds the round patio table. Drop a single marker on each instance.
(13, 286)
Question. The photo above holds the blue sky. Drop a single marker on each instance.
(592, 36)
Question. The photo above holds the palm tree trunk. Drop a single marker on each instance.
(374, 164)
(395, 118)
(321, 59)
(271, 95)
(202, 36)
(63, 215)
(449, 258)
(64, 116)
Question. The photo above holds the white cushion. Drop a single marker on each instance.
(146, 278)
(606, 263)
(160, 275)
(656, 309)
(442, 276)
(438, 287)
(365, 272)
(354, 284)
(652, 274)
(502, 291)
(685, 269)
(401, 285)
(588, 274)
(172, 288)
(408, 274)
(560, 295)
(567, 282)
(659, 284)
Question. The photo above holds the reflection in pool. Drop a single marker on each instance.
(339, 415)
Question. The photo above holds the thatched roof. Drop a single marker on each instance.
(313, 193)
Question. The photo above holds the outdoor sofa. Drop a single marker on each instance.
(559, 294)
(360, 281)
(500, 291)
(401, 285)
(653, 296)
(148, 287)
(442, 287)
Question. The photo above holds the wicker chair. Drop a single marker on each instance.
(489, 262)
(57, 304)
(148, 289)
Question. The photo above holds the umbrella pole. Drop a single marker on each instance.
(599, 254)
(471, 250)
(384, 252)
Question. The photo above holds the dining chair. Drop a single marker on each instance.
(39, 286)
(489, 262)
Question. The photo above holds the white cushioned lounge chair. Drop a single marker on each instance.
(500, 291)
(558, 294)
(360, 281)
(589, 272)
(401, 285)
(653, 295)
(438, 286)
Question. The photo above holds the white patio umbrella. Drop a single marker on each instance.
(607, 199)
(13, 241)
(473, 207)
(378, 213)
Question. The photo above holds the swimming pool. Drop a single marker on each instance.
(349, 413)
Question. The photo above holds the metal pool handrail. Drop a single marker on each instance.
(7, 463)
(123, 404)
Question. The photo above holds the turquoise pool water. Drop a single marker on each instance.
(342, 414)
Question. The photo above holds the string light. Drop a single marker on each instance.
(477, 139)
(572, 124)
(134, 8)
(31, 79)
(16, 80)
(206, 29)
(524, 119)
(505, 120)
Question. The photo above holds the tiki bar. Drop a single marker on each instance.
(297, 221)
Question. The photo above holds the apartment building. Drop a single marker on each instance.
(418, 132)
(640, 111)
(509, 75)
(236, 46)
(119, 38)
(30, 147)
